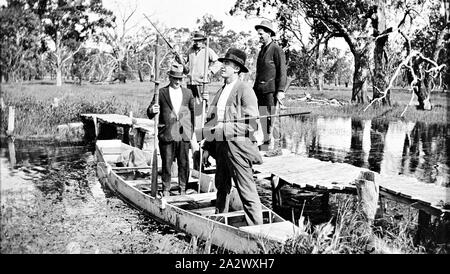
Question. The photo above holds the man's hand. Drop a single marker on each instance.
(194, 146)
(155, 108)
(205, 96)
(280, 95)
(205, 157)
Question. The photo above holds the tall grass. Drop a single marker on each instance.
(35, 114)
(400, 99)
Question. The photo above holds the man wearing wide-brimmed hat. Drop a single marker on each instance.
(195, 64)
(229, 141)
(175, 127)
(270, 84)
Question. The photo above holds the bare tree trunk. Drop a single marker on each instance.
(380, 81)
(360, 74)
(319, 70)
(58, 53)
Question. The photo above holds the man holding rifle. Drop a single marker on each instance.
(195, 64)
(229, 141)
(175, 127)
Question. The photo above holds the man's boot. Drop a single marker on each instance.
(276, 151)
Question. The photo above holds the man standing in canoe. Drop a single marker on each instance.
(230, 142)
(175, 127)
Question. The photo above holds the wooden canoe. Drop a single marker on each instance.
(193, 214)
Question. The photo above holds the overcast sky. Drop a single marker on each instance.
(183, 13)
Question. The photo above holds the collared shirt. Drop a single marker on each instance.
(221, 103)
(196, 62)
(176, 96)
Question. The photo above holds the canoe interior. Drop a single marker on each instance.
(201, 203)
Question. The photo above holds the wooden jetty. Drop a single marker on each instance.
(105, 127)
(316, 175)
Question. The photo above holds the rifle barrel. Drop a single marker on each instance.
(265, 116)
(170, 46)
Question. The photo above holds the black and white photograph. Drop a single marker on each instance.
(225, 135)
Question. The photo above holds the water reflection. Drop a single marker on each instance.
(388, 147)
(43, 153)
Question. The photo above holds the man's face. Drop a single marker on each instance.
(264, 36)
(199, 44)
(228, 69)
(175, 82)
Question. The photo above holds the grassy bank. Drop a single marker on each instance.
(37, 113)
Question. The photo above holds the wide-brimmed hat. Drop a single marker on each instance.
(176, 71)
(199, 35)
(267, 25)
(237, 56)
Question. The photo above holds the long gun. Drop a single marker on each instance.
(205, 75)
(154, 187)
(160, 34)
(264, 116)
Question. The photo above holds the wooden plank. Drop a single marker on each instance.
(279, 231)
(198, 197)
(130, 167)
(204, 211)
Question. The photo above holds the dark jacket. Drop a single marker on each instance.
(271, 74)
(170, 126)
(241, 103)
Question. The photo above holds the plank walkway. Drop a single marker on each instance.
(316, 175)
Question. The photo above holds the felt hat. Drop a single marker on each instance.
(198, 36)
(176, 71)
(266, 25)
(237, 56)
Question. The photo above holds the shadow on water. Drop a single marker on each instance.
(388, 147)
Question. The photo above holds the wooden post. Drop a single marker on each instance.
(11, 114)
(276, 194)
(12, 152)
(324, 203)
(423, 226)
(94, 119)
(368, 194)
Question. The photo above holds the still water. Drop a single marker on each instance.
(388, 147)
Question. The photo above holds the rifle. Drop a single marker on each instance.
(205, 75)
(206, 130)
(154, 187)
(170, 46)
(264, 116)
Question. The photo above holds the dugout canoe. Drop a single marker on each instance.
(193, 214)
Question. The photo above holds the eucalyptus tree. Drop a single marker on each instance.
(69, 23)
(20, 44)
(362, 25)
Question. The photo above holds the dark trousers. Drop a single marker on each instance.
(175, 150)
(240, 169)
(267, 105)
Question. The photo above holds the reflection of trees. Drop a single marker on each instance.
(356, 154)
(377, 135)
(431, 142)
(333, 138)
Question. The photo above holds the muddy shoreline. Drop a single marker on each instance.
(49, 211)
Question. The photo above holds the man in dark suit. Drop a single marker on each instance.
(230, 143)
(175, 127)
(270, 84)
